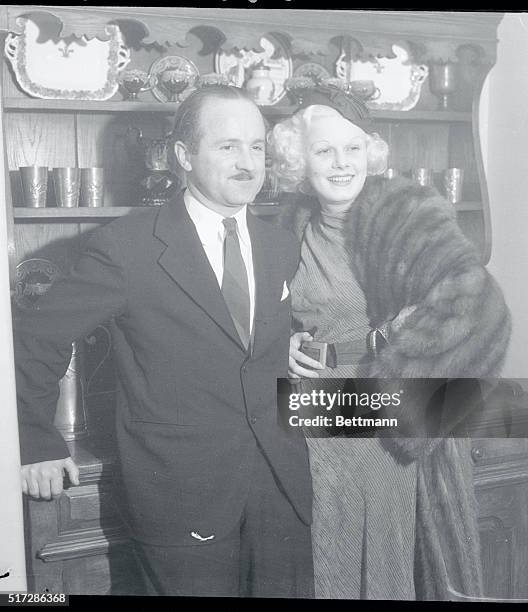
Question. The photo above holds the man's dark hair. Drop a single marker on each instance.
(187, 117)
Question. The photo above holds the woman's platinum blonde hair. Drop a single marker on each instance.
(288, 152)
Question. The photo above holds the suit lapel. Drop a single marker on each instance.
(265, 268)
(185, 261)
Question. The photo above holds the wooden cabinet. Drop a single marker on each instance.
(501, 480)
(78, 543)
(93, 133)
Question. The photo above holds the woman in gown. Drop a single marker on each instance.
(388, 280)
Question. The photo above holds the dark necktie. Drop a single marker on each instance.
(235, 286)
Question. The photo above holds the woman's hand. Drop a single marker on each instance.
(298, 359)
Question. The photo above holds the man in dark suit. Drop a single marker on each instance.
(218, 497)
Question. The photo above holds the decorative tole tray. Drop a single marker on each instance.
(66, 69)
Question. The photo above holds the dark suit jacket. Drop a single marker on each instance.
(193, 405)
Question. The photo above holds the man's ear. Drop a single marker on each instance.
(183, 155)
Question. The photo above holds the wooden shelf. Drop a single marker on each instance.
(468, 206)
(21, 213)
(112, 212)
(110, 106)
(422, 115)
(391, 115)
(80, 214)
(87, 106)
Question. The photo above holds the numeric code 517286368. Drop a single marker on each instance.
(34, 599)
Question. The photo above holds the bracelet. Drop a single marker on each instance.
(384, 330)
(374, 342)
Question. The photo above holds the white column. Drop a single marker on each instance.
(507, 172)
(12, 557)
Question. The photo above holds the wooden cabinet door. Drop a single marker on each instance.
(501, 479)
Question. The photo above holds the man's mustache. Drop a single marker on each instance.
(243, 176)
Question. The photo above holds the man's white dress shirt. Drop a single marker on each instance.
(211, 232)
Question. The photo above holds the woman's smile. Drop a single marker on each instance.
(341, 179)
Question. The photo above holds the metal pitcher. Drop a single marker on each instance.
(70, 416)
(160, 183)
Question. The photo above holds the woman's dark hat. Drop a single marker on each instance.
(345, 102)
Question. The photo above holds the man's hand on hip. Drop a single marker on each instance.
(44, 480)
